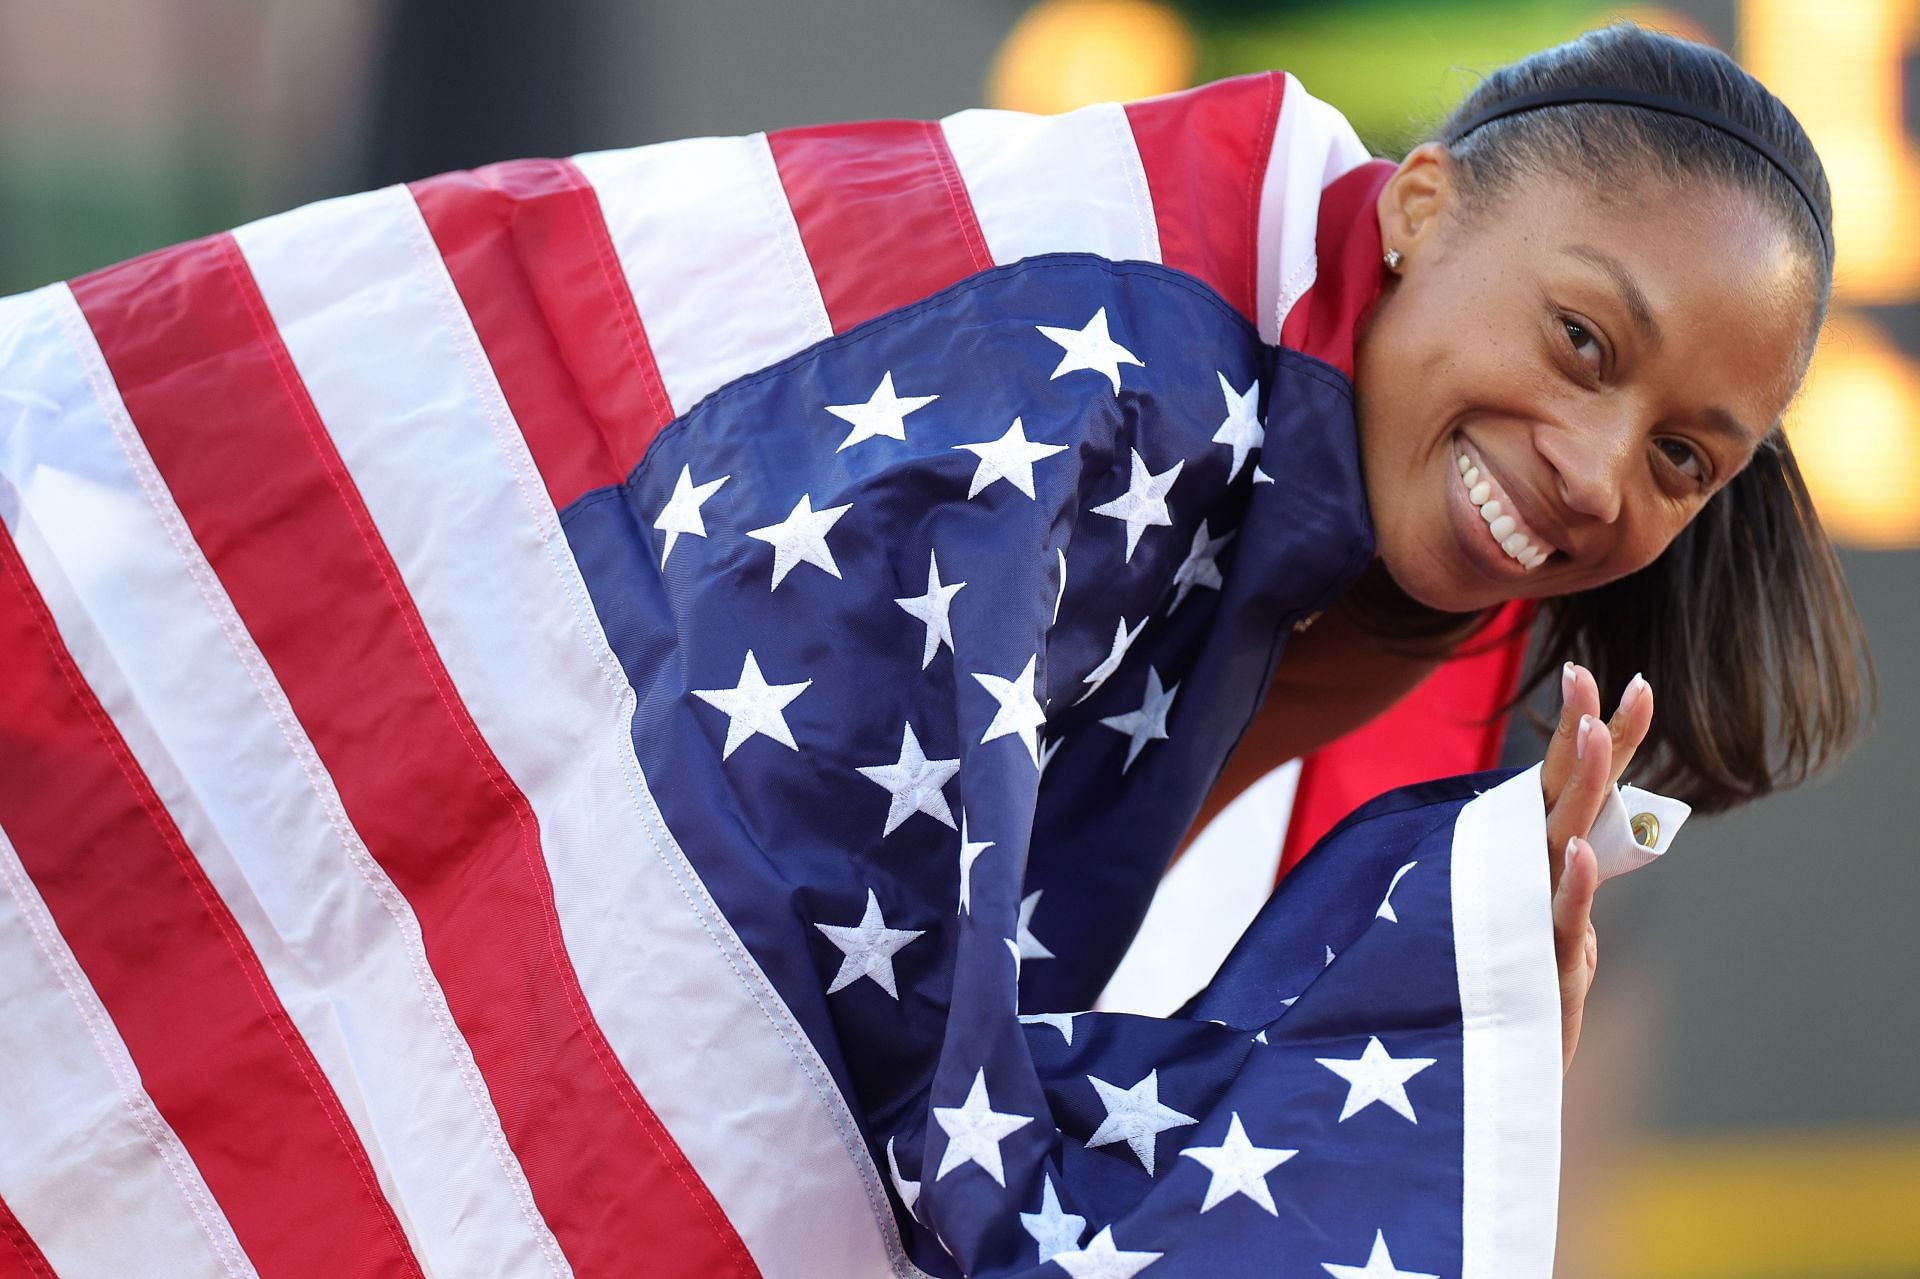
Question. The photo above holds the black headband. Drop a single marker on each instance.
(1614, 95)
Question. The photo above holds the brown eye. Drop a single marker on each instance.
(1585, 345)
(1685, 459)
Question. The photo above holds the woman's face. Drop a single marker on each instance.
(1551, 388)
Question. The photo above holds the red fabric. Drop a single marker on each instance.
(215, 397)
(1452, 723)
(215, 1048)
(1326, 320)
(1205, 152)
(20, 1257)
(530, 256)
(882, 212)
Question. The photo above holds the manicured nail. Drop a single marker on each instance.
(1573, 846)
(1566, 683)
(1580, 737)
(1635, 687)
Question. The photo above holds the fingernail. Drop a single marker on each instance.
(1635, 687)
(1573, 846)
(1566, 682)
(1580, 737)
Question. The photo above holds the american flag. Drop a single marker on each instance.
(612, 716)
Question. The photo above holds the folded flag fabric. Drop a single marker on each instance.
(612, 716)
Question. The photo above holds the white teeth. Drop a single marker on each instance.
(1504, 528)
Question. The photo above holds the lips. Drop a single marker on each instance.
(1505, 528)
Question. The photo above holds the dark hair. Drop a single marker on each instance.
(1744, 625)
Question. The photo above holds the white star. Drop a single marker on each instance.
(970, 850)
(1101, 1260)
(1055, 1231)
(931, 608)
(1379, 1265)
(1199, 568)
(1135, 1116)
(868, 948)
(914, 781)
(884, 413)
(1261, 1038)
(1122, 641)
(1376, 1075)
(753, 706)
(1260, 476)
(1144, 502)
(1062, 1022)
(1019, 710)
(909, 1190)
(681, 514)
(1047, 751)
(1239, 1168)
(1242, 431)
(1009, 458)
(1025, 944)
(801, 538)
(1386, 903)
(1147, 724)
(1090, 347)
(975, 1130)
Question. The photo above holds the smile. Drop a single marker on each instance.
(1520, 543)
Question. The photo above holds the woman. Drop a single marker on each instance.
(666, 654)
(1623, 433)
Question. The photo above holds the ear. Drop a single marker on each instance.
(1412, 204)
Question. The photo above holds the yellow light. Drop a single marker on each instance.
(1838, 67)
(1069, 53)
(1856, 432)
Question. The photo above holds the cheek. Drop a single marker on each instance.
(1645, 535)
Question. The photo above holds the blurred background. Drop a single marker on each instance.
(1745, 1105)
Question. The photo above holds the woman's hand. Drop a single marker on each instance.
(1584, 759)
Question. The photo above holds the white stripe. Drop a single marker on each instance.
(1312, 145)
(379, 336)
(1510, 1011)
(712, 256)
(1068, 183)
(93, 1173)
(212, 730)
(1206, 902)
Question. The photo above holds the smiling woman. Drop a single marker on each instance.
(1606, 275)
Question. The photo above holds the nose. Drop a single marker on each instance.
(1590, 456)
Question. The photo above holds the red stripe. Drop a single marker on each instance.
(214, 394)
(1205, 152)
(530, 255)
(215, 1049)
(882, 212)
(1454, 722)
(20, 1257)
(1349, 275)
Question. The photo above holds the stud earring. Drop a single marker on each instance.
(1392, 258)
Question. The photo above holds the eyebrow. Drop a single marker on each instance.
(1630, 291)
(1724, 423)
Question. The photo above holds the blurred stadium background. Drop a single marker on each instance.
(1745, 1103)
